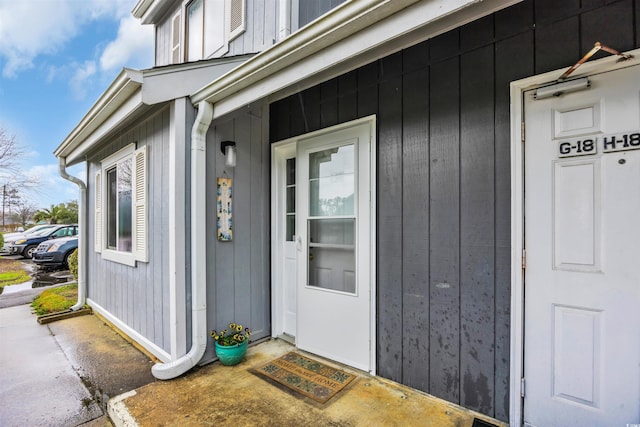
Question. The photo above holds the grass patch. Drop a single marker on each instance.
(56, 299)
(12, 273)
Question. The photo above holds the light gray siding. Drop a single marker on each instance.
(238, 272)
(261, 28)
(138, 296)
(261, 31)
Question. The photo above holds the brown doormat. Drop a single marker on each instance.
(306, 376)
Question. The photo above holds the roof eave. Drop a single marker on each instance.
(125, 84)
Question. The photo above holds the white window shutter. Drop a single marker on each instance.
(175, 39)
(140, 252)
(237, 18)
(98, 213)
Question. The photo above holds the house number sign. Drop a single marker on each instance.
(594, 144)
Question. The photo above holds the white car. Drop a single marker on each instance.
(11, 237)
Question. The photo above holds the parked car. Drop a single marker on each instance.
(12, 237)
(55, 252)
(27, 244)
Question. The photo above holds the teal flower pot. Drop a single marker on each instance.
(231, 354)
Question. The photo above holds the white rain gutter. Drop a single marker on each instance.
(167, 371)
(82, 233)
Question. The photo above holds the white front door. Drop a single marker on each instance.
(582, 237)
(333, 231)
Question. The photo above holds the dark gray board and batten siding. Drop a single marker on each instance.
(443, 184)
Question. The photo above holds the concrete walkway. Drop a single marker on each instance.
(234, 396)
(63, 373)
(39, 386)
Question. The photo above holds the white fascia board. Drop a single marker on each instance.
(147, 11)
(113, 120)
(342, 40)
(121, 90)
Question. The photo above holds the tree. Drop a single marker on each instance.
(12, 182)
(10, 151)
(69, 214)
(59, 214)
(24, 212)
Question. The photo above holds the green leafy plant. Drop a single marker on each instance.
(1, 240)
(236, 334)
(73, 264)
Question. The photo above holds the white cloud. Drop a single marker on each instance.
(50, 24)
(132, 48)
(53, 23)
(83, 72)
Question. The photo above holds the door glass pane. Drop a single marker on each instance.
(332, 254)
(331, 241)
(332, 231)
(332, 182)
(291, 200)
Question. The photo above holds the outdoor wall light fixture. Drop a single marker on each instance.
(228, 148)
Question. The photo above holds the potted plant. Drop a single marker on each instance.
(231, 344)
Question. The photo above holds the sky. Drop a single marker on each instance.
(56, 58)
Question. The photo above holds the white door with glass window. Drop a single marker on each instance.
(582, 238)
(334, 243)
(323, 252)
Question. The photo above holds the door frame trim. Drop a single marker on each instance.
(517, 90)
(276, 290)
(279, 151)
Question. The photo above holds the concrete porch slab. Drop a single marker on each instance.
(222, 395)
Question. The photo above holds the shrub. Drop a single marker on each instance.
(1, 240)
(73, 264)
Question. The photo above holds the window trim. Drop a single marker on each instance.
(236, 7)
(139, 248)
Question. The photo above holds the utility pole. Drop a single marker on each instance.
(4, 198)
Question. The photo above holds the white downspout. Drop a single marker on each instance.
(167, 371)
(82, 233)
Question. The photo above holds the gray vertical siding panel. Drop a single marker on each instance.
(477, 233)
(225, 264)
(444, 230)
(242, 192)
(367, 81)
(597, 25)
(389, 215)
(557, 44)
(637, 22)
(238, 277)
(514, 60)
(415, 222)
(260, 224)
(137, 295)
(348, 97)
(329, 103)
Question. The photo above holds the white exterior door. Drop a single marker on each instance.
(334, 219)
(582, 238)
